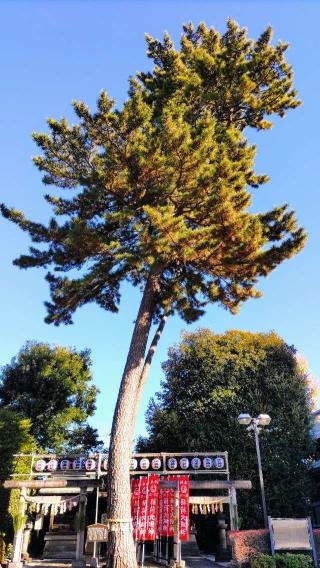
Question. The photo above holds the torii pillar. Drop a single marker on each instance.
(80, 561)
(18, 536)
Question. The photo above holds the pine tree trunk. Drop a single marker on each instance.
(120, 547)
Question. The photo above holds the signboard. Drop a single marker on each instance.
(166, 463)
(97, 533)
(290, 534)
(38, 523)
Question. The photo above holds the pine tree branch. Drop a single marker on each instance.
(148, 360)
(152, 349)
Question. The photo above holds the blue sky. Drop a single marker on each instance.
(55, 51)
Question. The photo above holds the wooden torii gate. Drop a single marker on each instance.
(23, 485)
(230, 485)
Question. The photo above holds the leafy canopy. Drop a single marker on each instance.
(164, 183)
(51, 387)
(15, 438)
(209, 380)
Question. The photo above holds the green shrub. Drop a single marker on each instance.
(263, 561)
(281, 561)
(9, 550)
(293, 560)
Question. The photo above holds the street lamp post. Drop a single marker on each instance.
(255, 424)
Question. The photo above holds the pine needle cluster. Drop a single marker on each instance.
(167, 181)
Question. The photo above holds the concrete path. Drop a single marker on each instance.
(193, 559)
(189, 553)
(48, 564)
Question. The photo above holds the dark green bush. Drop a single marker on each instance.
(281, 561)
(263, 561)
(293, 560)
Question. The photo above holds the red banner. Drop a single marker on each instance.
(144, 507)
(153, 510)
(166, 517)
(184, 519)
(152, 507)
(166, 512)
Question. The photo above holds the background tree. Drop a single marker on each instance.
(162, 198)
(51, 386)
(83, 438)
(15, 437)
(211, 379)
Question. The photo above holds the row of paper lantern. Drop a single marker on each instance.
(78, 464)
(155, 464)
(183, 463)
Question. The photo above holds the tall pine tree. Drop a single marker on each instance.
(159, 194)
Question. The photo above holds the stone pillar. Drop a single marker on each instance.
(222, 555)
(234, 520)
(18, 536)
(80, 561)
(25, 541)
(51, 522)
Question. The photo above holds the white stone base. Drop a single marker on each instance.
(15, 564)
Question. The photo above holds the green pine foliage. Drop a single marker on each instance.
(165, 182)
(209, 380)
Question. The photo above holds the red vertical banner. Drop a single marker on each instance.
(160, 513)
(138, 505)
(144, 507)
(166, 510)
(152, 507)
(184, 517)
(171, 507)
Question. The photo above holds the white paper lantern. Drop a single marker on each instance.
(156, 463)
(78, 464)
(52, 465)
(207, 463)
(219, 463)
(64, 465)
(133, 464)
(40, 465)
(196, 463)
(172, 463)
(144, 463)
(105, 463)
(184, 463)
(90, 464)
